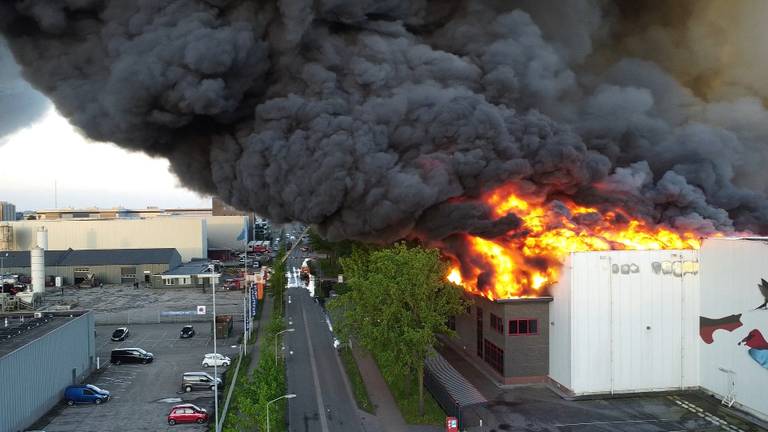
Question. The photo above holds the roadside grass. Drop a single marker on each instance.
(228, 378)
(356, 380)
(405, 390)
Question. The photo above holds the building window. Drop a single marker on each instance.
(494, 356)
(524, 327)
(169, 281)
(497, 323)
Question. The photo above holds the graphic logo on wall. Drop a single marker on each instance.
(754, 340)
(758, 347)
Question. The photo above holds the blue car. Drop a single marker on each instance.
(85, 394)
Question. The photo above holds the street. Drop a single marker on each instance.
(315, 374)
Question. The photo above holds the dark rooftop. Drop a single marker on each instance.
(545, 299)
(190, 268)
(19, 333)
(91, 257)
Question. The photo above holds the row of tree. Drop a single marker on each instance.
(397, 304)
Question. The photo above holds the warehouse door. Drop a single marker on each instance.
(128, 275)
(81, 274)
(646, 327)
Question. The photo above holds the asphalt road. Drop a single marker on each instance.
(315, 374)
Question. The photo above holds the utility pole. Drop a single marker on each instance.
(215, 353)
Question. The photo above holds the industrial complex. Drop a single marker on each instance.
(621, 322)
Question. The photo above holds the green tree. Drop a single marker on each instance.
(398, 302)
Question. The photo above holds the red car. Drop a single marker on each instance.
(187, 413)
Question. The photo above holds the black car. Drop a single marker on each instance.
(187, 332)
(131, 355)
(120, 334)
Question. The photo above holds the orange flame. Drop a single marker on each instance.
(526, 261)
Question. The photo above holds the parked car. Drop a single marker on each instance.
(187, 413)
(198, 381)
(187, 332)
(85, 394)
(120, 334)
(209, 360)
(131, 355)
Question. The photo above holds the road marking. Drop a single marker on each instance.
(318, 393)
(614, 422)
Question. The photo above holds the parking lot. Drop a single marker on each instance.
(142, 395)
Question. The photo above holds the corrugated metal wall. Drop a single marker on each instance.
(731, 273)
(627, 323)
(107, 274)
(186, 234)
(33, 378)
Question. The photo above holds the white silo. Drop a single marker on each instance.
(42, 238)
(38, 269)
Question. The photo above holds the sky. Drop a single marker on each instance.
(46, 163)
(50, 155)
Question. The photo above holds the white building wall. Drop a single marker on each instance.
(224, 231)
(625, 321)
(732, 270)
(559, 319)
(187, 235)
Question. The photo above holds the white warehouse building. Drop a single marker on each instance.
(639, 321)
(191, 236)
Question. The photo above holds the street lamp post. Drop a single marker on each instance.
(277, 338)
(215, 353)
(288, 396)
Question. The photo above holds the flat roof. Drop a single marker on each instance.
(20, 333)
(190, 268)
(91, 257)
(543, 299)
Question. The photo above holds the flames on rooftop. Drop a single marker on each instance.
(527, 260)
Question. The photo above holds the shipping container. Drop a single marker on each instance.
(224, 326)
(734, 321)
(625, 321)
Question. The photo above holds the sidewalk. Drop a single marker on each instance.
(387, 411)
(266, 316)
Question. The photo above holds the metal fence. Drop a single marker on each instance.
(160, 317)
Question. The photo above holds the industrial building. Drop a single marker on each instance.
(510, 336)
(109, 266)
(636, 321)
(195, 274)
(40, 355)
(7, 211)
(190, 235)
(118, 213)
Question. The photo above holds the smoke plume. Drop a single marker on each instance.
(376, 120)
(20, 104)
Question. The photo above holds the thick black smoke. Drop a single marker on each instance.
(20, 104)
(383, 119)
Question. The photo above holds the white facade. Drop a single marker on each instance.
(227, 232)
(732, 271)
(625, 321)
(186, 234)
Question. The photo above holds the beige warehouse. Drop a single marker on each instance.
(188, 235)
